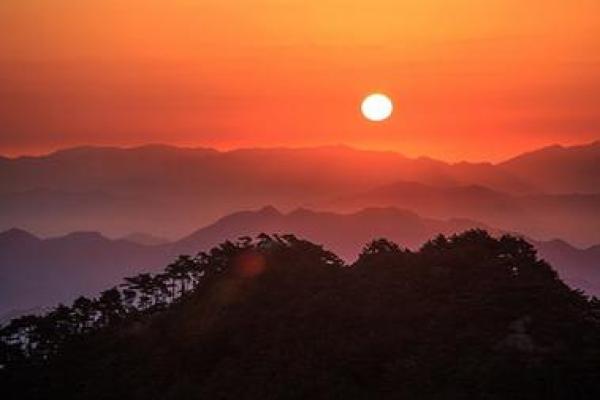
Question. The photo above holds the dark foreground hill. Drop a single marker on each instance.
(465, 317)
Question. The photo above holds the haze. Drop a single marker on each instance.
(263, 73)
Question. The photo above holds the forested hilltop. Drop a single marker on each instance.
(466, 316)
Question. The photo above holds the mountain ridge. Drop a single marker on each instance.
(47, 271)
(57, 193)
(559, 169)
(172, 147)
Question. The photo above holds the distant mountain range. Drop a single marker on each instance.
(573, 217)
(115, 190)
(40, 272)
(558, 169)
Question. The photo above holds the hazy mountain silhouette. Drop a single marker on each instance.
(578, 267)
(113, 190)
(39, 272)
(559, 169)
(342, 233)
(163, 167)
(574, 217)
(78, 189)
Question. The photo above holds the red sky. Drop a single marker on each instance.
(471, 80)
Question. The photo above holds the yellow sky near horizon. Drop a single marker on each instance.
(476, 80)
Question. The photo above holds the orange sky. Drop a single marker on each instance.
(471, 79)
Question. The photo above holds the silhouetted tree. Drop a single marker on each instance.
(466, 316)
(144, 285)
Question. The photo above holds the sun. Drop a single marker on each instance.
(377, 107)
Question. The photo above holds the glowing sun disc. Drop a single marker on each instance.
(377, 107)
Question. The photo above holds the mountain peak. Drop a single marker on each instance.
(269, 210)
(17, 234)
(87, 236)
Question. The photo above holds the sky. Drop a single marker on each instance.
(470, 80)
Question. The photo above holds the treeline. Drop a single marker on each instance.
(465, 316)
(32, 340)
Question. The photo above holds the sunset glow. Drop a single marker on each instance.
(288, 73)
